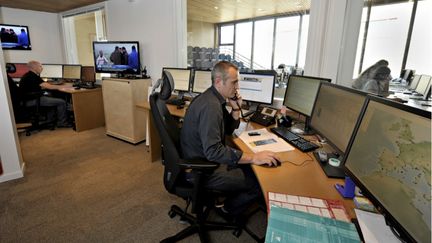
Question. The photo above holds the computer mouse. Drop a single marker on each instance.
(278, 163)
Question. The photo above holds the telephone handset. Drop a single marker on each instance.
(264, 116)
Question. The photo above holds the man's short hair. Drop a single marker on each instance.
(221, 70)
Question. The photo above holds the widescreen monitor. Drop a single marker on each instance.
(389, 159)
(257, 87)
(15, 37)
(72, 72)
(121, 57)
(423, 86)
(301, 92)
(181, 76)
(88, 74)
(336, 112)
(52, 71)
(414, 82)
(21, 69)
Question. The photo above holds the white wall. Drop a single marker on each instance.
(333, 34)
(45, 36)
(159, 26)
(201, 34)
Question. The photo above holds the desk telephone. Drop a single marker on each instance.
(264, 116)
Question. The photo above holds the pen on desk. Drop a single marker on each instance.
(425, 104)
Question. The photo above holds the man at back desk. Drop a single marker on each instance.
(31, 82)
(206, 123)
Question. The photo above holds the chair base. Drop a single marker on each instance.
(198, 226)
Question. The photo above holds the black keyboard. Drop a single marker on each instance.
(176, 102)
(294, 139)
(55, 82)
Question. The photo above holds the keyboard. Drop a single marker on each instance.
(55, 82)
(176, 102)
(294, 139)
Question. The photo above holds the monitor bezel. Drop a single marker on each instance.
(193, 79)
(190, 77)
(364, 190)
(138, 71)
(313, 110)
(52, 64)
(309, 77)
(273, 86)
(72, 65)
(28, 36)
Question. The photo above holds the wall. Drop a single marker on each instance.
(200, 34)
(45, 35)
(159, 26)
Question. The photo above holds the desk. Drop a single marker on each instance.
(307, 180)
(87, 106)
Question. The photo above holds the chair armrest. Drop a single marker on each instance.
(198, 164)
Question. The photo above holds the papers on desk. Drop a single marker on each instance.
(322, 207)
(286, 225)
(264, 141)
(374, 228)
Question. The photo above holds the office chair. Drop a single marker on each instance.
(184, 178)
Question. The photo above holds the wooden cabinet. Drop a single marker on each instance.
(122, 118)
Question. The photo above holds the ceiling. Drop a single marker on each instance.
(212, 11)
(53, 6)
(218, 11)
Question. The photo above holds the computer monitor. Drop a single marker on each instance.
(88, 74)
(389, 159)
(181, 76)
(71, 72)
(414, 82)
(21, 69)
(120, 57)
(257, 87)
(334, 116)
(300, 95)
(423, 87)
(52, 71)
(201, 81)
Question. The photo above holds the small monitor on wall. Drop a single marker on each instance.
(15, 37)
(122, 57)
(52, 71)
(72, 72)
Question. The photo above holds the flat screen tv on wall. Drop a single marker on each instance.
(15, 37)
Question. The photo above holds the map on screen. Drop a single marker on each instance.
(396, 168)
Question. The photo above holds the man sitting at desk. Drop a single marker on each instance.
(206, 123)
(31, 82)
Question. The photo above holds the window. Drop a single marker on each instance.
(243, 43)
(263, 44)
(286, 44)
(420, 50)
(227, 34)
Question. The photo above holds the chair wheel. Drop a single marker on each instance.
(172, 214)
(28, 134)
(237, 233)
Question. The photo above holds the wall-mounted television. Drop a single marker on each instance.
(120, 57)
(15, 37)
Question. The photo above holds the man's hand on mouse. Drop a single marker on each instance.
(265, 158)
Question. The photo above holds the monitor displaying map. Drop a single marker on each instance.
(390, 159)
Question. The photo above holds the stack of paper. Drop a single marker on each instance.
(265, 140)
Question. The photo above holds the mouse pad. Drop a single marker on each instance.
(331, 171)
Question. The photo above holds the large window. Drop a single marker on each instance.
(266, 43)
(385, 32)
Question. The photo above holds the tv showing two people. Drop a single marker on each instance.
(116, 57)
(15, 37)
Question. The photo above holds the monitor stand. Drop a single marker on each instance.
(307, 130)
(330, 170)
(251, 107)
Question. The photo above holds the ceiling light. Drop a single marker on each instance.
(216, 7)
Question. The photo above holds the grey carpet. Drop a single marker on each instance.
(89, 187)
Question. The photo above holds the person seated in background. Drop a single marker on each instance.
(205, 126)
(368, 74)
(379, 84)
(31, 82)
